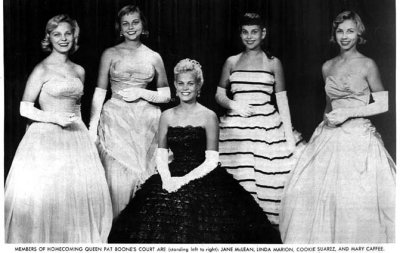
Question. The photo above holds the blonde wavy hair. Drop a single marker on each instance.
(348, 15)
(52, 24)
(189, 65)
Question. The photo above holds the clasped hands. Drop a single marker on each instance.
(243, 109)
(130, 94)
(337, 116)
(64, 119)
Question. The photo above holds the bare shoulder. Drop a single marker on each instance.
(40, 69)
(208, 114)
(368, 63)
(167, 115)
(327, 66)
(151, 55)
(233, 59)
(275, 62)
(78, 69)
(150, 52)
(110, 52)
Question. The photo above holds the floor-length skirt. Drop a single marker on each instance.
(56, 191)
(342, 190)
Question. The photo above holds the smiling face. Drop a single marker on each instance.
(131, 26)
(252, 36)
(187, 86)
(62, 38)
(347, 35)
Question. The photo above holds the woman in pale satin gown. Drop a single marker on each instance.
(126, 126)
(56, 191)
(343, 187)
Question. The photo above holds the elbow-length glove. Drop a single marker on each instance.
(162, 95)
(28, 110)
(209, 164)
(284, 112)
(243, 109)
(380, 105)
(162, 167)
(97, 103)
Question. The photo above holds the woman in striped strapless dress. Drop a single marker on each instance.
(257, 144)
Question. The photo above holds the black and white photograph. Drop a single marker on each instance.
(265, 123)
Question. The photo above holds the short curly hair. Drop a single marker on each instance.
(189, 65)
(348, 15)
(52, 24)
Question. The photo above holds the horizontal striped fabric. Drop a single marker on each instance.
(254, 149)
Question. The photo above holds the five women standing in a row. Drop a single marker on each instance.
(57, 189)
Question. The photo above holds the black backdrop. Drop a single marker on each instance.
(205, 30)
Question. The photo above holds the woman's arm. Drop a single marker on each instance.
(162, 150)
(328, 105)
(163, 93)
(283, 103)
(279, 76)
(380, 96)
(100, 91)
(31, 93)
(222, 99)
(211, 154)
(80, 71)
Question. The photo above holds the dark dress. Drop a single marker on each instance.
(213, 209)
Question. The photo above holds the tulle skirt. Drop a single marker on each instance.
(56, 191)
(127, 146)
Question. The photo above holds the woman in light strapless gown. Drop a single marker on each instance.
(257, 143)
(342, 189)
(56, 191)
(127, 124)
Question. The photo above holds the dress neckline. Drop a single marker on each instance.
(186, 127)
(264, 58)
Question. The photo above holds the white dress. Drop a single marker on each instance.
(56, 190)
(342, 190)
(254, 149)
(128, 133)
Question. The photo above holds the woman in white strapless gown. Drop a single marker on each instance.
(342, 189)
(56, 191)
(127, 124)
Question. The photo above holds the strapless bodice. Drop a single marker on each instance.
(188, 145)
(349, 90)
(126, 75)
(61, 94)
(254, 87)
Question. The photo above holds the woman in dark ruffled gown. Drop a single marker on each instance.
(191, 200)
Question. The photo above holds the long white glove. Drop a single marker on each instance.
(284, 112)
(162, 95)
(243, 109)
(28, 110)
(380, 105)
(209, 164)
(97, 103)
(162, 166)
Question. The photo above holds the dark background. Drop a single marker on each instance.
(205, 30)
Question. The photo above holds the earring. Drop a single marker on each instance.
(121, 34)
(198, 94)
